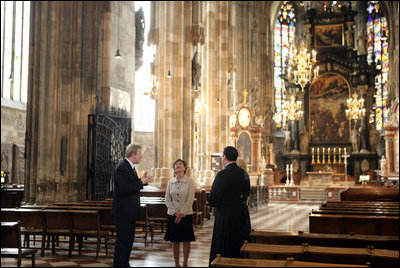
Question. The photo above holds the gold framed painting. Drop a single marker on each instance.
(327, 109)
(244, 146)
(329, 35)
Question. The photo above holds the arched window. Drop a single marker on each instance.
(378, 51)
(15, 17)
(283, 36)
(144, 105)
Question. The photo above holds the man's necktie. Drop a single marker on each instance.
(134, 172)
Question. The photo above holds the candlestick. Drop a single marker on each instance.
(329, 155)
(312, 156)
(339, 156)
(323, 155)
(334, 155)
(318, 162)
(287, 174)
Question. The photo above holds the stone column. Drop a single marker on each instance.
(172, 36)
(67, 75)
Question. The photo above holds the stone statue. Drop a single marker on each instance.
(263, 163)
(308, 35)
(355, 140)
(362, 44)
(305, 139)
(196, 71)
(382, 164)
(288, 141)
(350, 34)
(139, 25)
(373, 138)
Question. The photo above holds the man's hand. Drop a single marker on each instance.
(146, 178)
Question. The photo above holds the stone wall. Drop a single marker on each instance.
(13, 120)
(12, 125)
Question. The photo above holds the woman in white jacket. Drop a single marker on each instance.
(179, 198)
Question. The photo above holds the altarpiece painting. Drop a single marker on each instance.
(327, 102)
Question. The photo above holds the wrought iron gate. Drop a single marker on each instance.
(108, 136)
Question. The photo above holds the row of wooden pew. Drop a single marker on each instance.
(289, 249)
(359, 217)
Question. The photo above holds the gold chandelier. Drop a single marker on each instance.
(355, 108)
(301, 69)
(292, 109)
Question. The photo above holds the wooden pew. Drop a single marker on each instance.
(266, 237)
(319, 239)
(87, 223)
(370, 212)
(305, 252)
(370, 194)
(358, 224)
(289, 262)
(58, 222)
(11, 243)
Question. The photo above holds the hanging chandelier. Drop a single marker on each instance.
(302, 69)
(355, 107)
(292, 109)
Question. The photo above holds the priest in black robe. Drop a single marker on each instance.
(228, 195)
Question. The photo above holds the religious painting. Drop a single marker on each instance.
(329, 35)
(327, 105)
(244, 147)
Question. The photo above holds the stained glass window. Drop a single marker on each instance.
(283, 36)
(378, 51)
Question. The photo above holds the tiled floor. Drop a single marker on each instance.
(276, 216)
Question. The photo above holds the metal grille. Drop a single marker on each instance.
(108, 135)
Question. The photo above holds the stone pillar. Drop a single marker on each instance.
(390, 133)
(172, 35)
(67, 74)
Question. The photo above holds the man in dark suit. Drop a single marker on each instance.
(228, 195)
(126, 203)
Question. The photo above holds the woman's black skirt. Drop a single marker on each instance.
(181, 232)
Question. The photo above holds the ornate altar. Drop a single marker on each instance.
(327, 134)
(246, 137)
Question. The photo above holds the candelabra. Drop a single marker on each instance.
(302, 68)
(292, 109)
(356, 108)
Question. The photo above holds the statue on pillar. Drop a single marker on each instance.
(305, 139)
(288, 141)
(350, 34)
(374, 137)
(196, 71)
(362, 44)
(355, 140)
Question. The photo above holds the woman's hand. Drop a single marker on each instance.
(178, 216)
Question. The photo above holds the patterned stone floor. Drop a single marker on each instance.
(275, 216)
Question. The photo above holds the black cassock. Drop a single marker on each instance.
(228, 195)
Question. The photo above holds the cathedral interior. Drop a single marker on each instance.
(307, 91)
